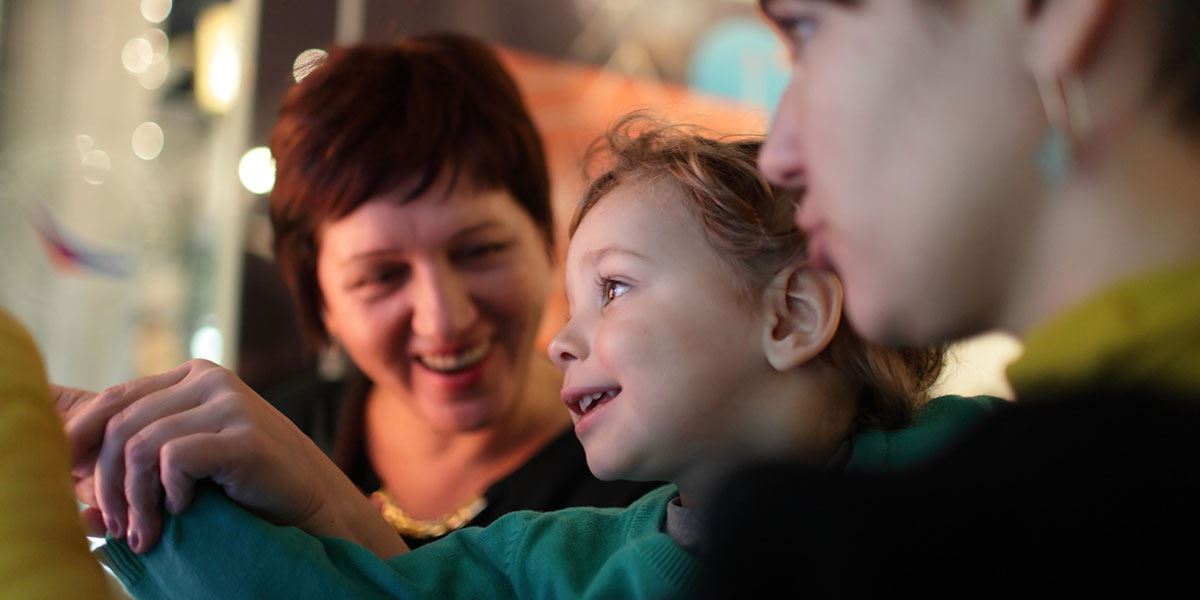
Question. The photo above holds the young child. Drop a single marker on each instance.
(699, 339)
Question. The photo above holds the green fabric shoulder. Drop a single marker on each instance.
(937, 425)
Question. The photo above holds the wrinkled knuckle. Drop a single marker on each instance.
(110, 395)
(215, 377)
(139, 454)
(117, 427)
(225, 409)
(112, 390)
(169, 458)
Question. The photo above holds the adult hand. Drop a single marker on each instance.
(158, 435)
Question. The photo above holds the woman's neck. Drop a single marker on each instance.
(423, 467)
(536, 409)
(1136, 209)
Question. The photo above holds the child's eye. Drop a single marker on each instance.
(611, 289)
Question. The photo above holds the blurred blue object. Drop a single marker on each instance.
(740, 59)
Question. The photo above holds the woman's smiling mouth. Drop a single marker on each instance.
(450, 363)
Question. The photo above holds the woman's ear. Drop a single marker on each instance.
(331, 328)
(803, 310)
(1065, 35)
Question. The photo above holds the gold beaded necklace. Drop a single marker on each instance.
(423, 529)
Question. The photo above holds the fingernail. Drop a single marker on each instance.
(111, 524)
(133, 542)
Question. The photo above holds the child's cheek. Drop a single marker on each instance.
(627, 347)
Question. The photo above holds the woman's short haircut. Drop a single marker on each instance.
(370, 118)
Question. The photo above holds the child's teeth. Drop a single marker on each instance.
(589, 400)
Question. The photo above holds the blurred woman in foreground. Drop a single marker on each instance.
(1040, 159)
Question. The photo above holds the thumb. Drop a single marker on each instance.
(67, 398)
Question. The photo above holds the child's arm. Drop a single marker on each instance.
(219, 550)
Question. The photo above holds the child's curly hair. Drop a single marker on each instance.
(750, 224)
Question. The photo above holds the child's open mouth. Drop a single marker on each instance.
(584, 403)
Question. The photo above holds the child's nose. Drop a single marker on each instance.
(564, 348)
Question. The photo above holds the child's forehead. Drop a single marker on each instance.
(641, 208)
(648, 218)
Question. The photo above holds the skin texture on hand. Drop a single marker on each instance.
(143, 444)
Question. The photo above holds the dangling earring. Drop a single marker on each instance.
(1064, 99)
(331, 363)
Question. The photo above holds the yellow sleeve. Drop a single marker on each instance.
(43, 551)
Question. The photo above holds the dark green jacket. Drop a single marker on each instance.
(218, 550)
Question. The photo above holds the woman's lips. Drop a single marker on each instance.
(460, 359)
(457, 370)
(818, 251)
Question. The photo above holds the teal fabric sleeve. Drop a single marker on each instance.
(219, 550)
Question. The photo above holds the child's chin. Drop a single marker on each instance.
(605, 469)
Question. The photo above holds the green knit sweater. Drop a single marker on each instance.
(218, 550)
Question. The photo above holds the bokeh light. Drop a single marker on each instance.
(147, 140)
(137, 55)
(218, 60)
(96, 166)
(307, 61)
(256, 170)
(156, 11)
(208, 343)
(154, 75)
(158, 43)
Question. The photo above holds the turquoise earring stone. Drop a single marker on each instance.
(1055, 158)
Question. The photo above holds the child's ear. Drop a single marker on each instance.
(803, 309)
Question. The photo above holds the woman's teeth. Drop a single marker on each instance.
(589, 400)
(449, 363)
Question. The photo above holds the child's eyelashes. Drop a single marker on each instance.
(611, 289)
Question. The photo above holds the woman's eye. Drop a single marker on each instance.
(612, 289)
(382, 276)
(479, 252)
(798, 30)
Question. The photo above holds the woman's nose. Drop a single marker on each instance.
(782, 156)
(442, 306)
